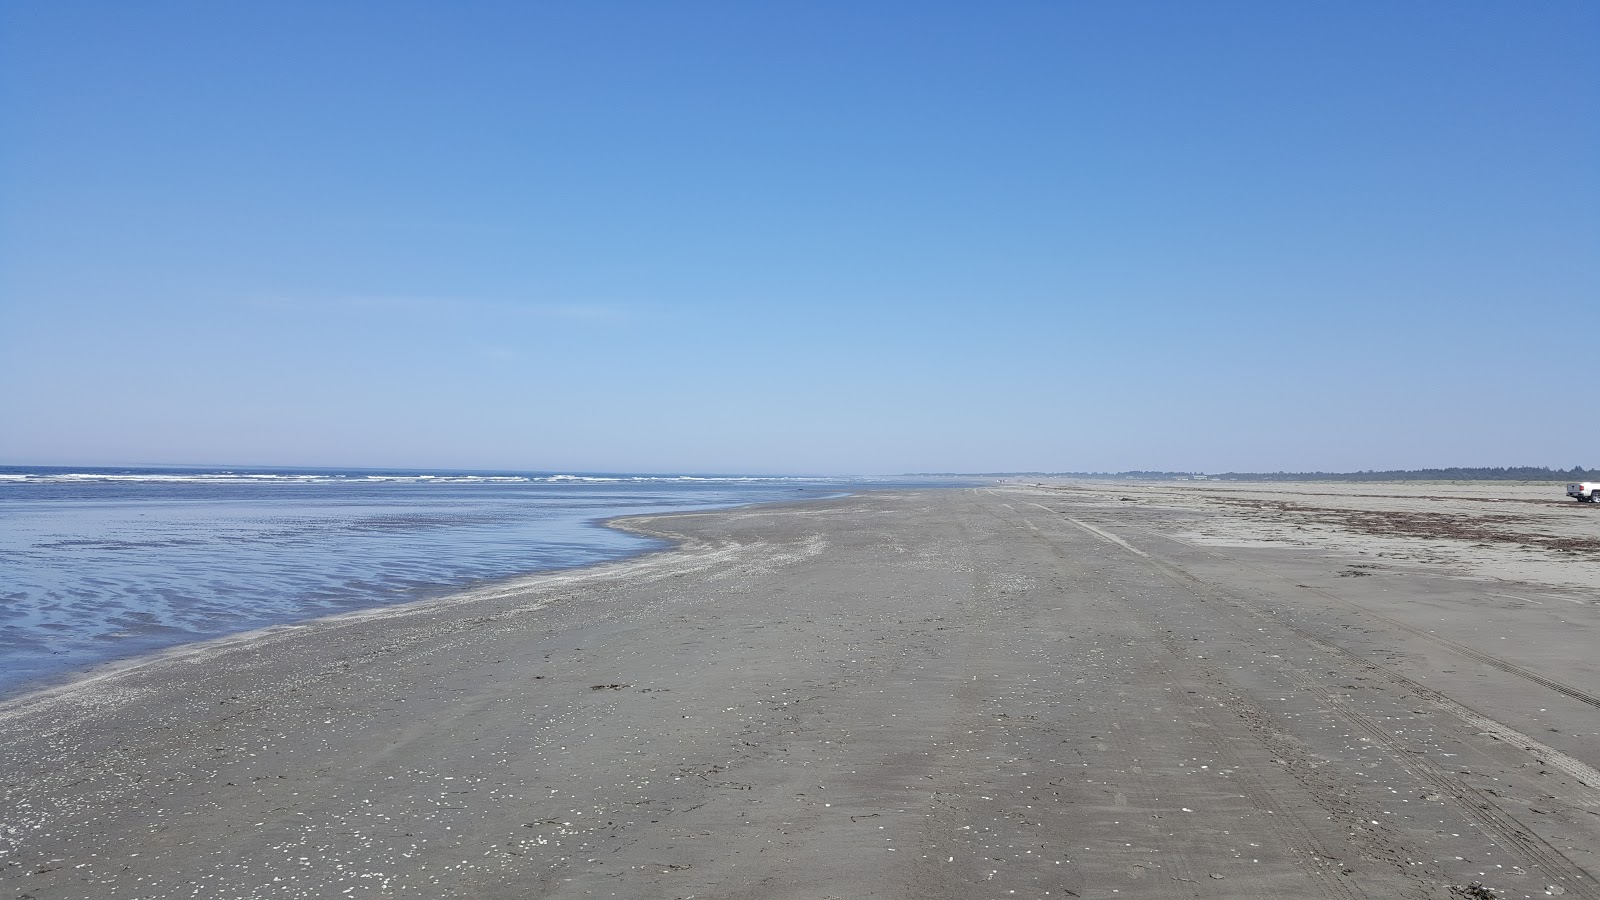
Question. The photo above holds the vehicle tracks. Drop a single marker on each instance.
(1585, 774)
(1473, 803)
(1464, 650)
(1298, 840)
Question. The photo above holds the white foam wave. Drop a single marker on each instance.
(392, 478)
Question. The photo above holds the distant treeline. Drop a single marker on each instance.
(1496, 473)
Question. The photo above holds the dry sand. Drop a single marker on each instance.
(1063, 690)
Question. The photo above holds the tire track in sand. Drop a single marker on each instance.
(1298, 839)
(1473, 803)
(1469, 652)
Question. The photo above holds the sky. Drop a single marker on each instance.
(824, 237)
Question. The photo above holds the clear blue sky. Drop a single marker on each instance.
(807, 237)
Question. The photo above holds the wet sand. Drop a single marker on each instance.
(1061, 690)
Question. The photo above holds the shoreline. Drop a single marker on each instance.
(65, 680)
(940, 693)
(205, 649)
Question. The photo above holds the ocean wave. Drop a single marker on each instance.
(399, 478)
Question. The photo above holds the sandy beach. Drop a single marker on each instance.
(1073, 689)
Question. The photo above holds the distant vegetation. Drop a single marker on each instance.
(1501, 473)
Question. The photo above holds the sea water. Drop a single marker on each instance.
(97, 564)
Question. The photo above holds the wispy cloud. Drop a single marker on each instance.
(584, 311)
(392, 304)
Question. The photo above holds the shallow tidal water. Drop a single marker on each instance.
(97, 564)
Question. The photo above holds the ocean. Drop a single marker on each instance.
(100, 564)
